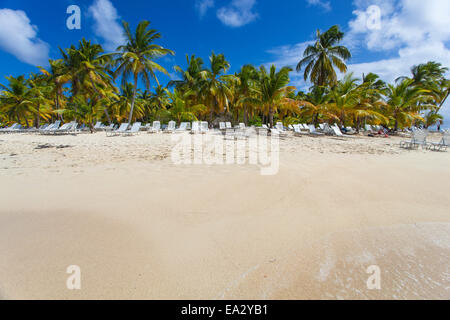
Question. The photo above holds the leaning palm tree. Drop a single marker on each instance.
(321, 58)
(136, 58)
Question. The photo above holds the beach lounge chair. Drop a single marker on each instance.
(265, 126)
(275, 131)
(350, 130)
(368, 128)
(222, 126)
(337, 132)
(442, 145)
(313, 131)
(51, 128)
(279, 126)
(8, 129)
(297, 130)
(204, 127)
(171, 127)
(156, 127)
(195, 127)
(123, 127)
(64, 129)
(228, 125)
(98, 125)
(133, 130)
(419, 138)
(242, 125)
(183, 127)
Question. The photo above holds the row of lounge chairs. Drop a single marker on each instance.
(53, 128)
(419, 139)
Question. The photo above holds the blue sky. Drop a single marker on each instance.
(386, 40)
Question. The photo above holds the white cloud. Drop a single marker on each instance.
(324, 4)
(19, 38)
(410, 32)
(202, 6)
(107, 24)
(237, 13)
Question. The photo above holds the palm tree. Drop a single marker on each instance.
(58, 76)
(368, 100)
(273, 89)
(41, 96)
(431, 76)
(214, 89)
(192, 76)
(321, 58)
(16, 99)
(247, 78)
(91, 70)
(403, 102)
(314, 104)
(179, 109)
(136, 58)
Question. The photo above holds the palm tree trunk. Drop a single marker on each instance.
(133, 99)
(38, 116)
(271, 116)
(245, 115)
(443, 101)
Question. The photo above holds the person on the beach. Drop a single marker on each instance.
(438, 125)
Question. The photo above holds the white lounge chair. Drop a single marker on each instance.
(228, 125)
(51, 128)
(156, 127)
(442, 145)
(419, 138)
(313, 131)
(66, 128)
(297, 130)
(204, 127)
(195, 127)
(338, 132)
(133, 130)
(279, 126)
(222, 126)
(98, 125)
(171, 127)
(241, 125)
(15, 126)
(183, 127)
(275, 131)
(123, 127)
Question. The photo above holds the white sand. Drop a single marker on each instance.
(140, 226)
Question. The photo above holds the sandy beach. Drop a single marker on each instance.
(141, 227)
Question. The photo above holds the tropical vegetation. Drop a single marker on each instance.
(88, 85)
